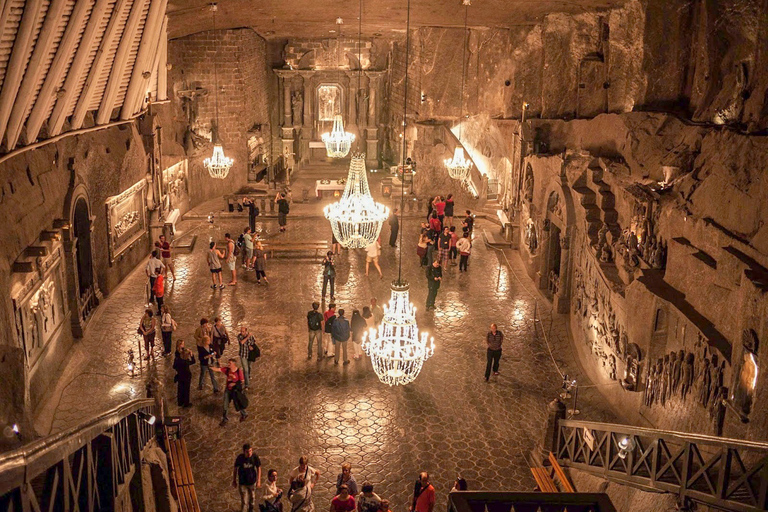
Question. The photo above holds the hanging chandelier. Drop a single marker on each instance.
(218, 165)
(397, 349)
(459, 167)
(338, 142)
(356, 219)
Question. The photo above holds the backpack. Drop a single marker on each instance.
(329, 324)
(254, 352)
(284, 207)
(315, 320)
(236, 249)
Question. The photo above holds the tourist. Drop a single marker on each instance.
(253, 212)
(435, 226)
(328, 319)
(202, 331)
(430, 208)
(260, 263)
(246, 477)
(207, 358)
(459, 485)
(233, 389)
(444, 247)
(434, 278)
(370, 323)
(453, 251)
(340, 332)
(153, 265)
(469, 223)
(219, 337)
(247, 344)
(440, 209)
(283, 208)
(449, 210)
(147, 330)
(167, 326)
(300, 495)
(230, 257)
(343, 502)
(464, 246)
(346, 478)
(214, 265)
(424, 227)
(272, 494)
(384, 506)
(335, 245)
(158, 289)
(248, 245)
(421, 249)
(165, 253)
(423, 494)
(358, 326)
(183, 360)
(368, 501)
(376, 311)
(394, 228)
(315, 329)
(372, 255)
(493, 340)
(329, 273)
(305, 471)
(430, 250)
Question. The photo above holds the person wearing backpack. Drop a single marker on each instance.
(231, 258)
(233, 390)
(328, 319)
(340, 332)
(283, 209)
(315, 328)
(248, 351)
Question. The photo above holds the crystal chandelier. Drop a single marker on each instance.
(397, 349)
(338, 142)
(458, 166)
(218, 165)
(356, 219)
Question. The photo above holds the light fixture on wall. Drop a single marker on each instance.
(218, 164)
(459, 166)
(338, 142)
(356, 219)
(397, 349)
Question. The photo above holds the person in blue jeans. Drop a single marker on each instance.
(340, 332)
(247, 343)
(207, 358)
(234, 379)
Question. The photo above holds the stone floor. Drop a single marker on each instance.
(448, 422)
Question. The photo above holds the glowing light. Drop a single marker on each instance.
(338, 142)
(218, 165)
(459, 166)
(397, 349)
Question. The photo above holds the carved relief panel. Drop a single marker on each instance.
(126, 219)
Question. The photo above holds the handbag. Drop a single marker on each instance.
(139, 331)
(254, 352)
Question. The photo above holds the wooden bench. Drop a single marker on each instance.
(545, 477)
(560, 474)
(181, 475)
(316, 246)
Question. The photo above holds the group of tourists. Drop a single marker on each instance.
(331, 331)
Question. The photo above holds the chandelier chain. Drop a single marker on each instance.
(463, 69)
(405, 142)
(215, 138)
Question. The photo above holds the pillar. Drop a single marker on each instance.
(562, 300)
(372, 129)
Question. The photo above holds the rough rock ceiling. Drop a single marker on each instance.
(276, 19)
(63, 59)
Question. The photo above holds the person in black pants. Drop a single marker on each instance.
(434, 277)
(253, 212)
(329, 273)
(394, 228)
(184, 359)
(493, 339)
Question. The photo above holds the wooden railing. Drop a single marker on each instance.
(728, 474)
(88, 468)
(481, 501)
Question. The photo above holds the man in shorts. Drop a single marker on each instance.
(214, 264)
(165, 253)
(231, 259)
(372, 253)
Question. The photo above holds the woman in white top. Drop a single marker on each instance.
(167, 326)
(272, 494)
(372, 255)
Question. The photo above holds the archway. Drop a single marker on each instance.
(83, 290)
(81, 226)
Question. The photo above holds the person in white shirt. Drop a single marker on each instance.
(372, 255)
(271, 493)
(464, 246)
(310, 474)
(153, 264)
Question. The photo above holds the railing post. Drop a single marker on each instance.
(686, 473)
(551, 436)
(723, 473)
(654, 461)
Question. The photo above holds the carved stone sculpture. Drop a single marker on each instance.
(665, 379)
(612, 367)
(297, 103)
(687, 376)
(704, 383)
(676, 369)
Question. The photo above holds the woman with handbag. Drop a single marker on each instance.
(184, 359)
(167, 326)
(220, 337)
(248, 349)
(233, 390)
(147, 330)
(301, 495)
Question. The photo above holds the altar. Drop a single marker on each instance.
(325, 188)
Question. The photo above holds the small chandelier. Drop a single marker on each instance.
(338, 142)
(397, 349)
(458, 166)
(356, 219)
(218, 165)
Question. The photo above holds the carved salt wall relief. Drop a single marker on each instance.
(126, 219)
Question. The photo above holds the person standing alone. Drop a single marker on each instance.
(247, 477)
(394, 228)
(434, 278)
(493, 340)
(315, 328)
(283, 208)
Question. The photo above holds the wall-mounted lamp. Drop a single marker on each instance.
(149, 418)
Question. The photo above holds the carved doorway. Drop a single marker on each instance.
(85, 293)
(554, 254)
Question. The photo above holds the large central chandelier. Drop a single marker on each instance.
(356, 219)
(397, 349)
(338, 142)
(459, 167)
(218, 165)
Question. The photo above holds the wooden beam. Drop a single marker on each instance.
(89, 89)
(76, 70)
(35, 69)
(121, 59)
(4, 14)
(162, 67)
(18, 62)
(155, 62)
(56, 73)
(148, 49)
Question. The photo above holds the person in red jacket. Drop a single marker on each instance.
(159, 289)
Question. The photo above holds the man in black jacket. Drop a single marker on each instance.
(434, 278)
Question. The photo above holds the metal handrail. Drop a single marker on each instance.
(41, 454)
(468, 501)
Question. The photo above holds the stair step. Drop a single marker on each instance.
(606, 199)
(609, 216)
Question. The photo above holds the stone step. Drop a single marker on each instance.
(588, 196)
(609, 216)
(606, 199)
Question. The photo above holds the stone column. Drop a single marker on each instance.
(562, 300)
(287, 117)
(372, 130)
(308, 126)
(286, 130)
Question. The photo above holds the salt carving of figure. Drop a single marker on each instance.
(653, 384)
(676, 371)
(612, 367)
(623, 342)
(672, 381)
(718, 411)
(632, 243)
(687, 375)
(704, 384)
(717, 377)
(665, 378)
(648, 386)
